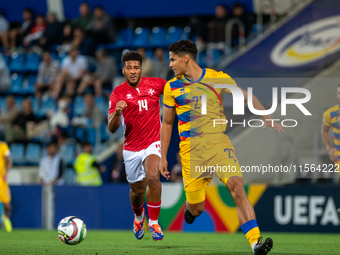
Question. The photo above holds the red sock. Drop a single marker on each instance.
(138, 210)
(153, 209)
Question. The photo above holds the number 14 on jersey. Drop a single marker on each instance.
(143, 104)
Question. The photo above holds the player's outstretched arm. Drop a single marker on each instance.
(166, 131)
(327, 141)
(259, 106)
(113, 119)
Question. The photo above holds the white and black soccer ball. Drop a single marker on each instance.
(72, 230)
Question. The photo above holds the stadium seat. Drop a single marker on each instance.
(32, 62)
(17, 62)
(213, 56)
(91, 136)
(30, 88)
(104, 135)
(3, 106)
(33, 153)
(18, 102)
(141, 37)
(101, 103)
(79, 133)
(186, 33)
(158, 38)
(174, 34)
(17, 153)
(125, 37)
(5, 58)
(48, 104)
(70, 154)
(35, 104)
(69, 176)
(17, 82)
(79, 106)
(149, 53)
(202, 59)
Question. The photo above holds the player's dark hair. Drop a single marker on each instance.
(132, 55)
(184, 47)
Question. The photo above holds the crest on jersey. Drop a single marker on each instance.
(128, 96)
(151, 92)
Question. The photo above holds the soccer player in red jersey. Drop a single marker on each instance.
(135, 105)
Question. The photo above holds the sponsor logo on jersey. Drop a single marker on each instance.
(308, 44)
(128, 96)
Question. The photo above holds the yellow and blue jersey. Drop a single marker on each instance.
(186, 96)
(331, 118)
(4, 152)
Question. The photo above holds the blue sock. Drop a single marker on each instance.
(0, 211)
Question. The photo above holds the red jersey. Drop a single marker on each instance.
(141, 120)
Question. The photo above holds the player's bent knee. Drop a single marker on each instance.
(152, 180)
(138, 192)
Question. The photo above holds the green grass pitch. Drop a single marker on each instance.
(124, 242)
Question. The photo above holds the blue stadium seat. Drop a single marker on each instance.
(17, 153)
(61, 56)
(80, 134)
(30, 88)
(174, 34)
(79, 106)
(18, 102)
(5, 58)
(149, 53)
(125, 37)
(91, 136)
(186, 33)
(33, 153)
(102, 104)
(17, 82)
(48, 104)
(202, 59)
(35, 104)
(3, 106)
(17, 62)
(158, 37)
(70, 154)
(32, 62)
(141, 37)
(104, 135)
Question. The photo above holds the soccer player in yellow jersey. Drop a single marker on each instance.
(5, 193)
(331, 119)
(196, 95)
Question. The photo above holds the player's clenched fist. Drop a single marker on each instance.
(120, 106)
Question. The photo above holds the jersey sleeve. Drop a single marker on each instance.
(327, 118)
(113, 101)
(168, 99)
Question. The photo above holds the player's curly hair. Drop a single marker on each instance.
(132, 55)
(184, 47)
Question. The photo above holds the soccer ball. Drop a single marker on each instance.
(72, 230)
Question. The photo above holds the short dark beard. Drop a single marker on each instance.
(134, 84)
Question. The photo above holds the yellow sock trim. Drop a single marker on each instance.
(253, 235)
